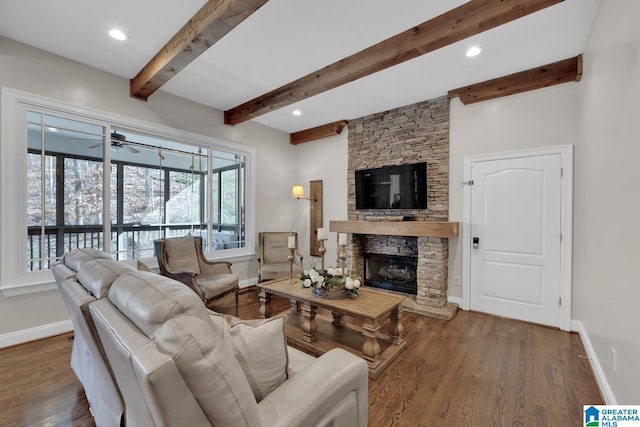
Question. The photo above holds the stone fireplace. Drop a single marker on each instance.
(426, 241)
(411, 134)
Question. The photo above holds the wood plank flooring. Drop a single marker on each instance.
(475, 370)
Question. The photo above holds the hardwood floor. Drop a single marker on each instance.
(475, 370)
(38, 387)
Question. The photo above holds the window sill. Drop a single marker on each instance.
(26, 289)
(230, 256)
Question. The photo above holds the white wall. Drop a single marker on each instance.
(545, 117)
(541, 118)
(599, 116)
(32, 70)
(607, 205)
(325, 159)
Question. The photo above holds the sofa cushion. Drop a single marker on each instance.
(77, 257)
(222, 241)
(210, 370)
(261, 349)
(62, 272)
(98, 274)
(149, 300)
(181, 254)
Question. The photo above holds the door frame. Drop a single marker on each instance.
(566, 222)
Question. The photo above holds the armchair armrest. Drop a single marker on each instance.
(185, 276)
(214, 267)
(307, 397)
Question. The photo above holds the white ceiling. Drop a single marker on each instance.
(287, 39)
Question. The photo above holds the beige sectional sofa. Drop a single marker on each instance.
(173, 362)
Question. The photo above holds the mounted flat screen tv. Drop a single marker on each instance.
(392, 187)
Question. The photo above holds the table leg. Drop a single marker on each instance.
(371, 348)
(265, 304)
(295, 306)
(337, 318)
(395, 326)
(309, 325)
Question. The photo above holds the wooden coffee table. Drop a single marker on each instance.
(318, 334)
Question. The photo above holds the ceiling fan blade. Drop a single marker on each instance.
(130, 148)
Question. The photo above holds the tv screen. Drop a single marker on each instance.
(392, 187)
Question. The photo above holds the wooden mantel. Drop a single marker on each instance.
(399, 228)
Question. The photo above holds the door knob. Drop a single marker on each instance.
(476, 242)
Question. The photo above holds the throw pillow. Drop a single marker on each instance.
(210, 370)
(142, 266)
(261, 349)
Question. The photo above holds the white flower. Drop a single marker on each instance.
(348, 283)
(332, 277)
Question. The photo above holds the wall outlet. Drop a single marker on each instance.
(614, 359)
(457, 281)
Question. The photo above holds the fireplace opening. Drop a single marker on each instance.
(391, 272)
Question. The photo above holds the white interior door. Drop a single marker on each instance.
(515, 233)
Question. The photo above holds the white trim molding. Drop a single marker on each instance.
(605, 389)
(455, 300)
(37, 333)
(13, 185)
(32, 288)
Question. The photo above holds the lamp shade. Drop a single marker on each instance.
(297, 191)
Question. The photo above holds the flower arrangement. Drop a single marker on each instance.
(332, 277)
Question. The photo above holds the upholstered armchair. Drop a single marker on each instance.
(273, 255)
(182, 259)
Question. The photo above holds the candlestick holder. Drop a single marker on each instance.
(291, 258)
(343, 258)
(322, 250)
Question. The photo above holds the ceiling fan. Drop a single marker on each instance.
(118, 141)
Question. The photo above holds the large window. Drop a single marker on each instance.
(91, 182)
(65, 188)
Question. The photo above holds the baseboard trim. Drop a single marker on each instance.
(455, 300)
(605, 389)
(32, 334)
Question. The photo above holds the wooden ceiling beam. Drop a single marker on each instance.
(215, 19)
(324, 131)
(568, 70)
(465, 21)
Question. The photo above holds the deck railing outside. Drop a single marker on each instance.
(127, 241)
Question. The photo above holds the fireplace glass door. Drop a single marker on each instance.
(391, 272)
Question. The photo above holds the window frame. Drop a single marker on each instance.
(15, 280)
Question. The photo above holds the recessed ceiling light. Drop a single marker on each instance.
(474, 51)
(117, 34)
(296, 112)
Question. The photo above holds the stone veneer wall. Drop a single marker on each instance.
(411, 134)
